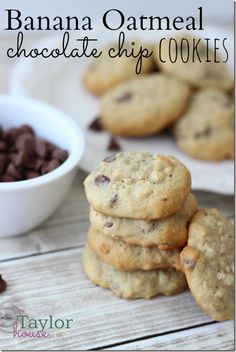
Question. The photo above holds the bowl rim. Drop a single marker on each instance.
(78, 145)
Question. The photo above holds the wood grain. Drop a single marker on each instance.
(55, 284)
(215, 337)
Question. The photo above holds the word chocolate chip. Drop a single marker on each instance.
(24, 156)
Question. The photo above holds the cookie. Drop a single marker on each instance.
(143, 106)
(208, 263)
(104, 73)
(198, 74)
(134, 284)
(138, 186)
(205, 131)
(126, 257)
(166, 234)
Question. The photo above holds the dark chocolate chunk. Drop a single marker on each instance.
(51, 165)
(3, 146)
(3, 284)
(125, 97)
(101, 180)
(108, 224)
(42, 149)
(113, 144)
(204, 133)
(96, 125)
(24, 156)
(113, 200)
(3, 162)
(7, 178)
(14, 172)
(60, 155)
(31, 174)
(26, 129)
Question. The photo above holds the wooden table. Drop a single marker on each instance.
(45, 277)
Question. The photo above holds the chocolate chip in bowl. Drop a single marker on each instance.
(25, 156)
(40, 149)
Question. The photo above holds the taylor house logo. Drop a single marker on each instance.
(25, 327)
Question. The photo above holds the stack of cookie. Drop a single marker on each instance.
(140, 207)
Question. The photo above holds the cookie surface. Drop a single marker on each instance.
(168, 233)
(135, 284)
(138, 186)
(197, 74)
(143, 105)
(104, 72)
(208, 263)
(126, 257)
(205, 131)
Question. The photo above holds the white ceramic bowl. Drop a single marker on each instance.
(25, 204)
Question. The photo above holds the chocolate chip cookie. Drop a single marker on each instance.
(144, 105)
(208, 263)
(126, 257)
(205, 131)
(135, 284)
(166, 234)
(195, 70)
(105, 72)
(138, 186)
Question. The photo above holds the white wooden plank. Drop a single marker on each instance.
(55, 284)
(214, 337)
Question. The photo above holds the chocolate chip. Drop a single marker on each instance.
(50, 166)
(24, 156)
(3, 162)
(108, 224)
(154, 226)
(110, 158)
(60, 155)
(113, 144)
(39, 164)
(42, 149)
(164, 199)
(19, 158)
(31, 174)
(204, 133)
(96, 125)
(113, 200)
(101, 180)
(26, 129)
(7, 178)
(14, 172)
(25, 141)
(125, 97)
(3, 284)
(3, 146)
